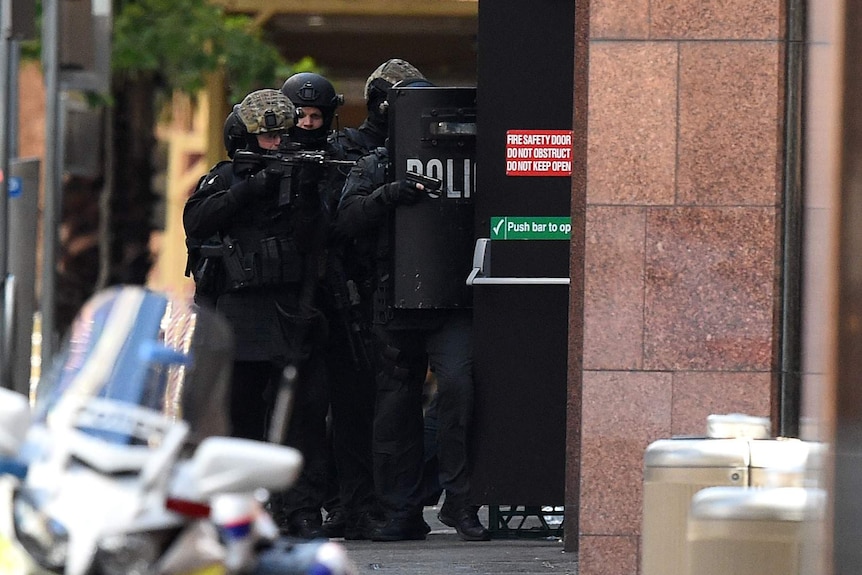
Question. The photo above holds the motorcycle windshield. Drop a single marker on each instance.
(143, 348)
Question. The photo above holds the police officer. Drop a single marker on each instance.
(204, 254)
(350, 491)
(374, 130)
(350, 494)
(273, 241)
(410, 340)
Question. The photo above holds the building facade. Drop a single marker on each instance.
(713, 248)
(705, 246)
(685, 189)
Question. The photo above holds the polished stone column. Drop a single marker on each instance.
(832, 304)
(682, 242)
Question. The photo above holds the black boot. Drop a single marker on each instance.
(401, 529)
(465, 520)
(360, 526)
(305, 526)
(335, 523)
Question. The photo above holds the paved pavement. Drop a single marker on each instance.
(443, 553)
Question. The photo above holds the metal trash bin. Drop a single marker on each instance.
(737, 453)
(738, 425)
(674, 470)
(778, 462)
(748, 531)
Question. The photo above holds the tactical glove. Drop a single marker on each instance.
(307, 178)
(256, 185)
(399, 192)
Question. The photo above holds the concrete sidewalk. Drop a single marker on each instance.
(443, 553)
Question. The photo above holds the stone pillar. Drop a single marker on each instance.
(832, 303)
(682, 241)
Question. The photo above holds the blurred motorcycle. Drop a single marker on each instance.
(122, 464)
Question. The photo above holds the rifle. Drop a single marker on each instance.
(347, 308)
(281, 163)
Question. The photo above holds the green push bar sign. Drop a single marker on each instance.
(530, 228)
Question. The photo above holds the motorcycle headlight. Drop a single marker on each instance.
(128, 553)
(44, 538)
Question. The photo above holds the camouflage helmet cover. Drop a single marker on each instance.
(392, 71)
(266, 111)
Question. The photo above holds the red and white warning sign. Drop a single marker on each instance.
(538, 152)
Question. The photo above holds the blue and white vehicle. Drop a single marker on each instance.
(120, 462)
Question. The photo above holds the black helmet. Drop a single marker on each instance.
(310, 89)
(235, 134)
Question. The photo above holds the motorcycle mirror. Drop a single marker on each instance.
(232, 465)
(14, 421)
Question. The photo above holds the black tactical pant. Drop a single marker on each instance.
(251, 398)
(253, 390)
(352, 393)
(398, 423)
(269, 334)
(306, 432)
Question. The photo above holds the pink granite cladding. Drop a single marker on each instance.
(696, 395)
(710, 289)
(824, 22)
(623, 412)
(717, 19)
(608, 555)
(822, 128)
(823, 190)
(616, 19)
(730, 123)
(823, 95)
(818, 290)
(613, 288)
(631, 154)
(817, 422)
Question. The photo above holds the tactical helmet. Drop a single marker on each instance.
(310, 89)
(388, 73)
(407, 82)
(235, 134)
(412, 83)
(266, 110)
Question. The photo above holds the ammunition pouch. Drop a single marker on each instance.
(274, 261)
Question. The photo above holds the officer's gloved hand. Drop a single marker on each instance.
(399, 192)
(256, 185)
(307, 178)
(312, 171)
